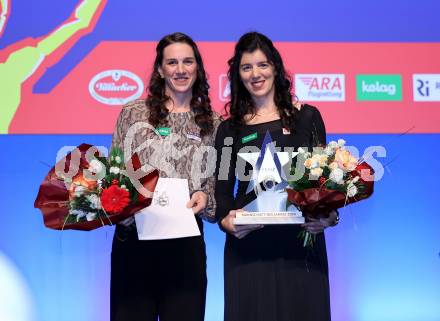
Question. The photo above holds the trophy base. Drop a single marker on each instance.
(268, 218)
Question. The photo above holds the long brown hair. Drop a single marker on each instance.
(200, 103)
(241, 102)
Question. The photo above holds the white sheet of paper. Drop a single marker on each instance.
(167, 217)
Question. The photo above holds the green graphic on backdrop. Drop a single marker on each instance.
(379, 87)
(24, 62)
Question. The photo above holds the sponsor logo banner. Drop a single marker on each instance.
(75, 108)
(426, 87)
(378, 87)
(320, 87)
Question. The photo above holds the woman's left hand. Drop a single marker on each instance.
(198, 201)
(316, 226)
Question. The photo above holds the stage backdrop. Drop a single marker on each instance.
(372, 68)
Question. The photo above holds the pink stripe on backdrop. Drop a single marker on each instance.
(70, 108)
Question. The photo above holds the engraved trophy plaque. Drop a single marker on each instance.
(269, 183)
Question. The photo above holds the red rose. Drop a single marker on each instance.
(114, 199)
(322, 180)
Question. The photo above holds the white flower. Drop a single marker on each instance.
(316, 171)
(124, 187)
(311, 163)
(341, 142)
(331, 148)
(332, 144)
(95, 201)
(78, 214)
(333, 165)
(315, 161)
(79, 190)
(114, 170)
(95, 166)
(329, 151)
(118, 159)
(90, 216)
(351, 190)
(337, 175)
(303, 152)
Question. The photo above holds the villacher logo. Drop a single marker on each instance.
(115, 87)
(320, 87)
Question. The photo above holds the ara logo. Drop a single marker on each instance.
(115, 87)
(426, 87)
(224, 90)
(379, 87)
(320, 87)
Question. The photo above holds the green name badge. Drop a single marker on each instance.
(164, 131)
(249, 138)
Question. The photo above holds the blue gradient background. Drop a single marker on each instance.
(383, 256)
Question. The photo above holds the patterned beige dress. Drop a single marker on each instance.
(163, 278)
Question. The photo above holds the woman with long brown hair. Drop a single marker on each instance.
(268, 274)
(166, 278)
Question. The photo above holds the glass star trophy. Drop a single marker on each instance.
(269, 183)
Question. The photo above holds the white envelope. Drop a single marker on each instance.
(167, 217)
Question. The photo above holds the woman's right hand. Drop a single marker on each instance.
(239, 231)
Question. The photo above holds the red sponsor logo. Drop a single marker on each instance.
(325, 83)
(116, 87)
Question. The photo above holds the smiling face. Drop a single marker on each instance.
(257, 74)
(178, 68)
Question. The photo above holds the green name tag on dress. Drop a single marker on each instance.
(248, 138)
(164, 131)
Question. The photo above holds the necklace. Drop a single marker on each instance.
(267, 114)
(176, 110)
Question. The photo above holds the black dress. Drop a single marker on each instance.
(269, 275)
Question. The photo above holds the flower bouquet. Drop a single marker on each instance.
(330, 178)
(85, 190)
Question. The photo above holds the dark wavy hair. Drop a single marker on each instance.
(200, 103)
(241, 102)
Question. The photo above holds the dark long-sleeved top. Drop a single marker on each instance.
(309, 131)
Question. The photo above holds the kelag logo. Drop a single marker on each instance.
(426, 87)
(320, 87)
(115, 87)
(378, 87)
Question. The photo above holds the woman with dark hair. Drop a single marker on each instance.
(167, 278)
(268, 274)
